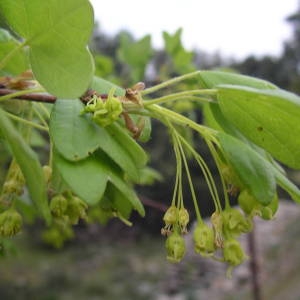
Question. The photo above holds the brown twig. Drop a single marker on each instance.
(44, 97)
(37, 97)
(153, 204)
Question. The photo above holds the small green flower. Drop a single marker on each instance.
(268, 212)
(12, 186)
(253, 208)
(233, 252)
(248, 203)
(105, 111)
(175, 246)
(204, 239)
(76, 209)
(58, 205)
(183, 219)
(10, 222)
(171, 215)
(170, 218)
(234, 223)
(58, 233)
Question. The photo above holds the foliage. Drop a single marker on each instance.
(94, 129)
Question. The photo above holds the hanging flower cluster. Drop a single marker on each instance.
(219, 240)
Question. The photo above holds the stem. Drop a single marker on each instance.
(32, 124)
(20, 93)
(206, 132)
(178, 173)
(190, 183)
(5, 60)
(177, 96)
(217, 161)
(206, 173)
(45, 110)
(41, 118)
(169, 82)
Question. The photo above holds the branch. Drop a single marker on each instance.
(38, 97)
(47, 98)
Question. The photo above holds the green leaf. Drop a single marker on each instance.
(269, 118)
(103, 86)
(287, 185)
(126, 189)
(57, 33)
(29, 164)
(173, 42)
(18, 63)
(216, 120)
(117, 200)
(211, 79)
(74, 135)
(148, 176)
(136, 55)
(253, 171)
(104, 65)
(136, 152)
(87, 178)
(97, 170)
(181, 58)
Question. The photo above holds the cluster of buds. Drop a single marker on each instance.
(228, 225)
(10, 222)
(58, 233)
(221, 237)
(70, 207)
(14, 183)
(176, 221)
(175, 217)
(105, 111)
(252, 207)
(67, 211)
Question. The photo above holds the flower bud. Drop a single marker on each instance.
(183, 219)
(217, 222)
(47, 173)
(268, 212)
(253, 208)
(58, 205)
(171, 215)
(230, 178)
(10, 222)
(234, 223)
(175, 246)
(12, 186)
(76, 209)
(248, 203)
(57, 235)
(204, 239)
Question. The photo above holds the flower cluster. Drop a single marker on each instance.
(105, 111)
(219, 240)
(252, 207)
(176, 221)
(67, 210)
(10, 222)
(209, 241)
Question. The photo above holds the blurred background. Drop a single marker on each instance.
(151, 42)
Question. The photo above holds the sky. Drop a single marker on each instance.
(234, 28)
